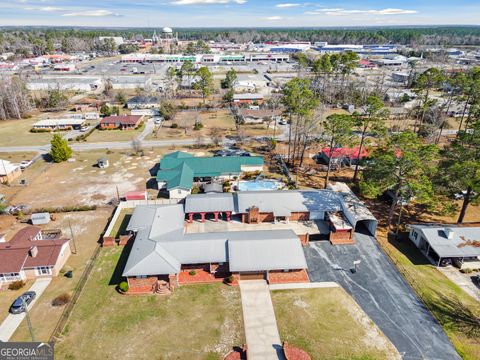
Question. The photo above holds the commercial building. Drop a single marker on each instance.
(131, 82)
(65, 83)
(32, 253)
(205, 58)
(448, 244)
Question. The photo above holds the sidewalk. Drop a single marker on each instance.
(261, 332)
(12, 322)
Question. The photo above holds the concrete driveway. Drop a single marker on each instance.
(12, 322)
(383, 294)
(261, 332)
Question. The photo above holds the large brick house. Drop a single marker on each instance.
(32, 253)
(162, 251)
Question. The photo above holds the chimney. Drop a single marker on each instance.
(448, 233)
(33, 251)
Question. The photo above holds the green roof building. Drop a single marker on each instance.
(178, 170)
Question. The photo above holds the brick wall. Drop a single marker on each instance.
(341, 237)
(300, 216)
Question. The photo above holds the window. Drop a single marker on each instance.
(179, 191)
(43, 270)
(9, 277)
(415, 234)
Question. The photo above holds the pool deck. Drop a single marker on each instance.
(299, 228)
(260, 185)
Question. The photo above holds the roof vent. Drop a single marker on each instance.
(448, 233)
(33, 252)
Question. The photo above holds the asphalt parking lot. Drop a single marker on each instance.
(383, 294)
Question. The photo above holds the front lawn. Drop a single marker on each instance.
(328, 324)
(195, 322)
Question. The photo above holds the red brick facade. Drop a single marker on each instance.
(341, 237)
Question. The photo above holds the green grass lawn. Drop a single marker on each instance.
(114, 135)
(17, 133)
(328, 324)
(457, 312)
(195, 322)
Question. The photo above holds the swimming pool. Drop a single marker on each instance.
(260, 185)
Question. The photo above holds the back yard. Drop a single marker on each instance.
(86, 227)
(328, 324)
(195, 322)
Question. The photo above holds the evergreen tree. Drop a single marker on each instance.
(60, 151)
(460, 168)
(405, 166)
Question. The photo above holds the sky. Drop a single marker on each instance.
(237, 13)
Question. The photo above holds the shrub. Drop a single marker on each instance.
(195, 190)
(192, 273)
(62, 299)
(16, 285)
(466, 271)
(123, 286)
(227, 183)
(198, 126)
(229, 279)
(174, 126)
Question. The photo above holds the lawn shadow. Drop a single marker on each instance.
(407, 248)
(117, 277)
(453, 313)
(123, 226)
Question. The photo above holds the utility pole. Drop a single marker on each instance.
(73, 237)
(29, 322)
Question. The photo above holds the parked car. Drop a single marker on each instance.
(18, 306)
(84, 128)
(25, 163)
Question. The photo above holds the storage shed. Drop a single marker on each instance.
(40, 218)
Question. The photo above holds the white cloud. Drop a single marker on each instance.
(46, 8)
(273, 18)
(287, 5)
(344, 12)
(92, 13)
(206, 2)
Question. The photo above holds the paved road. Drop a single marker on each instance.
(261, 332)
(12, 322)
(104, 145)
(383, 294)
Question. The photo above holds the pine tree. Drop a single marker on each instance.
(60, 151)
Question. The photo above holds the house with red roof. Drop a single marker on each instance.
(343, 155)
(124, 122)
(32, 253)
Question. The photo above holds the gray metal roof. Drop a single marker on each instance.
(209, 203)
(161, 245)
(266, 250)
(283, 203)
(455, 247)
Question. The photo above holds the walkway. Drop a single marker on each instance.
(465, 281)
(310, 285)
(12, 322)
(261, 332)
